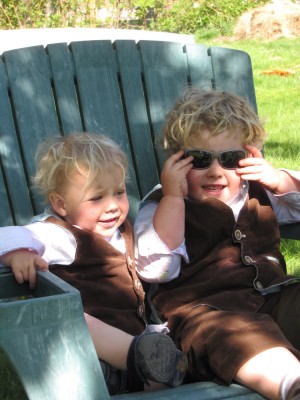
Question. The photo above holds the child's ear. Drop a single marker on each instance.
(58, 204)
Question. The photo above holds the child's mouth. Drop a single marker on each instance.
(213, 188)
(110, 221)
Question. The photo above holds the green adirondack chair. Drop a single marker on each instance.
(122, 89)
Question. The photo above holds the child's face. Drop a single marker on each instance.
(215, 181)
(98, 209)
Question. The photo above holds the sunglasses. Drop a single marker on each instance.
(228, 159)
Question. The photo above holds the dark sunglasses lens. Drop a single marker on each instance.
(230, 159)
(202, 159)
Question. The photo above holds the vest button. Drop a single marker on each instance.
(129, 261)
(141, 310)
(137, 283)
(248, 260)
(238, 234)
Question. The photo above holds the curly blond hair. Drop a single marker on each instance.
(197, 110)
(59, 158)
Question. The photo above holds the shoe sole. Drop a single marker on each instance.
(159, 360)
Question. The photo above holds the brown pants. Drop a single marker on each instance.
(218, 343)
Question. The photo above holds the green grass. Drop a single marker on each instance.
(278, 101)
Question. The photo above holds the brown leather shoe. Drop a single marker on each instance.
(158, 359)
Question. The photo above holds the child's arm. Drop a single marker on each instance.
(35, 245)
(24, 264)
(159, 228)
(155, 262)
(169, 217)
(256, 168)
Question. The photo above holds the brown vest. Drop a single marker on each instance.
(107, 281)
(230, 263)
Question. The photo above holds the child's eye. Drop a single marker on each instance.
(120, 192)
(96, 198)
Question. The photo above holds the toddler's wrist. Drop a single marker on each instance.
(175, 197)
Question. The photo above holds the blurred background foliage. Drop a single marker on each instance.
(204, 17)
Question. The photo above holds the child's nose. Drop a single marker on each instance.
(215, 169)
(111, 204)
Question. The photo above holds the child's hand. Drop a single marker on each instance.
(256, 168)
(24, 264)
(173, 175)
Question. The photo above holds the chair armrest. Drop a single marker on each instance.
(290, 231)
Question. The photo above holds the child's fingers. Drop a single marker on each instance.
(253, 151)
(32, 277)
(19, 277)
(177, 162)
(174, 158)
(40, 264)
(179, 156)
(254, 162)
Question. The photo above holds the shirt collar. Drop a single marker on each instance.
(239, 200)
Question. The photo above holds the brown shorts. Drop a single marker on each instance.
(284, 308)
(218, 343)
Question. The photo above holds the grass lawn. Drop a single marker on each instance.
(278, 101)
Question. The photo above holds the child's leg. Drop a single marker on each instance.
(271, 373)
(247, 347)
(111, 344)
(277, 363)
(146, 357)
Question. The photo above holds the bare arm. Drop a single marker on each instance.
(256, 168)
(169, 217)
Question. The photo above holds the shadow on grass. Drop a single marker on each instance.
(11, 387)
(284, 149)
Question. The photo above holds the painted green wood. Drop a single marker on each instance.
(33, 102)
(5, 211)
(290, 231)
(232, 71)
(47, 340)
(96, 73)
(195, 391)
(165, 73)
(13, 184)
(64, 88)
(199, 65)
(136, 112)
(101, 101)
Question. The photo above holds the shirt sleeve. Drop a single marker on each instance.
(155, 262)
(54, 243)
(18, 237)
(286, 206)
